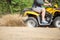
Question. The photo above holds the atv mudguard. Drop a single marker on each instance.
(31, 12)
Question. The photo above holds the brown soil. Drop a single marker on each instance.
(11, 20)
(25, 33)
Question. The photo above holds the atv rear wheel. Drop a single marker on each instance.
(31, 22)
(57, 22)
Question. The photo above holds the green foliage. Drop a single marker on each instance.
(18, 5)
(4, 7)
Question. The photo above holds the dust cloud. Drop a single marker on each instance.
(12, 20)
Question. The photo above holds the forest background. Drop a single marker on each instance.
(14, 6)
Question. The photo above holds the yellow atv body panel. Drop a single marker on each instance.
(31, 12)
(52, 11)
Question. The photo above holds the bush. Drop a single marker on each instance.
(19, 5)
(12, 6)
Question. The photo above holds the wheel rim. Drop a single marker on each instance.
(58, 24)
(30, 23)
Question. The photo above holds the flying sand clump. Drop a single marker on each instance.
(12, 20)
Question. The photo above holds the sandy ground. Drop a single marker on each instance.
(25, 33)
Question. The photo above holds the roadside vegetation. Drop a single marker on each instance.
(13, 6)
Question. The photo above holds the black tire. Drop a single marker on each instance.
(56, 22)
(31, 22)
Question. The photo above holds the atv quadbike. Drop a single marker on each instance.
(52, 17)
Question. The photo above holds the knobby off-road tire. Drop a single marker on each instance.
(31, 22)
(56, 22)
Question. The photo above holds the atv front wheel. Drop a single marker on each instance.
(57, 22)
(31, 22)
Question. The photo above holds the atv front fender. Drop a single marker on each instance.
(31, 12)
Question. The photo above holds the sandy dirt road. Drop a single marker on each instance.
(25, 33)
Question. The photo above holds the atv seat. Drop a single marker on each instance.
(29, 9)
